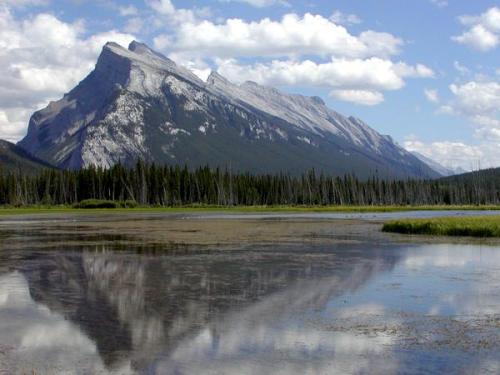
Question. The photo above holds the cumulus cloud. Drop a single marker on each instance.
(41, 58)
(307, 50)
(259, 3)
(166, 11)
(291, 36)
(457, 154)
(431, 95)
(364, 97)
(128, 10)
(13, 122)
(354, 80)
(341, 18)
(477, 101)
(134, 25)
(483, 33)
(162, 6)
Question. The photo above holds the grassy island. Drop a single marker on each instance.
(447, 226)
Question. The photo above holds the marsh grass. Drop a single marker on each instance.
(449, 226)
(129, 207)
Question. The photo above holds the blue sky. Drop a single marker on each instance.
(423, 71)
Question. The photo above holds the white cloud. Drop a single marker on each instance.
(13, 123)
(431, 95)
(490, 19)
(354, 80)
(479, 38)
(344, 19)
(416, 71)
(364, 97)
(358, 71)
(478, 101)
(162, 6)
(439, 3)
(463, 70)
(291, 36)
(484, 30)
(260, 3)
(166, 11)
(41, 58)
(128, 10)
(307, 50)
(454, 154)
(134, 25)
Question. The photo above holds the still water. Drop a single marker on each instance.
(92, 296)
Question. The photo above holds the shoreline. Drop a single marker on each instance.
(170, 229)
(8, 211)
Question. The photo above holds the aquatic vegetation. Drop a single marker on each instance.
(449, 226)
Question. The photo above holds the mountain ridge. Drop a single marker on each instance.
(439, 168)
(138, 104)
(15, 159)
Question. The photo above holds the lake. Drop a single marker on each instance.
(244, 294)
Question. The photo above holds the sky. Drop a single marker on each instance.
(426, 72)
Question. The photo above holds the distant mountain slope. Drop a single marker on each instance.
(443, 171)
(439, 168)
(485, 176)
(14, 158)
(138, 104)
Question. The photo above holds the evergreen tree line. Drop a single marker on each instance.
(174, 186)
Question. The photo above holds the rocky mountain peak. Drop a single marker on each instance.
(317, 100)
(138, 104)
(142, 49)
(150, 63)
(215, 78)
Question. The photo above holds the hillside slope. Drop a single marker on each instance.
(14, 159)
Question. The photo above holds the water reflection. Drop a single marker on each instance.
(36, 337)
(349, 309)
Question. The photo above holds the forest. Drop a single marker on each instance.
(168, 186)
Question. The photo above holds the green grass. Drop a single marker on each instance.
(235, 209)
(488, 226)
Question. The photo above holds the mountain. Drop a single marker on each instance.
(138, 104)
(14, 158)
(482, 178)
(439, 168)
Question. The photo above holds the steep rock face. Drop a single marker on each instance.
(138, 104)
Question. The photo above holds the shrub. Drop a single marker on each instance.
(128, 204)
(96, 203)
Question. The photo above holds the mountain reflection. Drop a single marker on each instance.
(123, 313)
